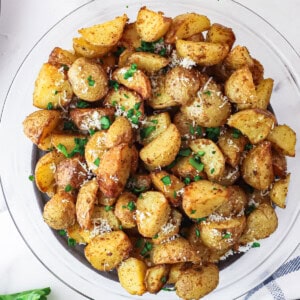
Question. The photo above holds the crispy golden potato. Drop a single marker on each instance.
(83, 48)
(218, 33)
(148, 62)
(264, 91)
(119, 132)
(229, 176)
(44, 174)
(209, 108)
(39, 125)
(104, 220)
(52, 88)
(139, 183)
(186, 25)
(156, 277)
(283, 139)
(212, 157)
(279, 164)
(279, 191)
(240, 88)
(232, 144)
(182, 84)
(201, 198)
(81, 236)
(88, 79)
(261, 223)
(221, 235)
(169, 185)
(114, 170)
(59, 211)
(85, 203)
(174, 251)
(90, 118)
(175, 271)
(195, 284)
(170, 229)
(236, 203)
(203, 53)
(257, 71)
(59, 57)
(238, 57)
(105, 34)
(104, 200)
(153, 126)
(94, 149)
(71, 173)
(150, 25)
(107, 251)
(153, 211)
(162, 150)
(125, 210)
(256, 124)
(66, 140)
(123, 58)
(130, 37)
(257, 168)
(132, 273)
(198, 37)
(108, 62)
(133, 79)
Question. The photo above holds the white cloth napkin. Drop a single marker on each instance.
(284, 284)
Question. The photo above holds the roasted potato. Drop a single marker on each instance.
(60, 57)
(150, 25)
(162, 150)
(203, 53)
(88, 79)
(133, 79)
(279, 164)
(105, 34)
(257, 168)
(279, 191)
(156, 277)
(85, 203)
(195, 284)
(201, 198)
(83, 48)
(238, 57)
(169, 185)
(107, 251)
(283, 139)
(66, 142)
(186, 25)
(125, 210)
(104, 219)
(153, 211)
(264, 91)
(114, 170)
(52, 88)
(132, 273)
(260, 224)
(44, 173)
(130, 37)
(39, 125)
(81, 236)
(218, 33)
(174, 251)
(256, 124)
(59, 211)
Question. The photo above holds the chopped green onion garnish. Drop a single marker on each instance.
(97, 162)
(65, 67)
(31, 177)
(108, 207)
(227, 235)
(68, 188)
(62, 232)
(147, 247)
(166, 180)
(255, 245)
(213, 133)
(114, 84)
(146, 131)
(90, 80)
(138, 243)
(192, 130)
(193, 211)
(129, 73)
(197, 232)
(163, 279)
(137, 106)
(63, 150)
(212, 171)
(197, 178)
(196, 165)
(92, 131)
(201, 153)
(105, 122)
(208, 93)
(236, 133)
(187, 180)
(50, 105)
(82, 104)
(185, 152)
(71, 242)
(248, 146)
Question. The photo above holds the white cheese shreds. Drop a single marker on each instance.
(100, 226)
(185, 62)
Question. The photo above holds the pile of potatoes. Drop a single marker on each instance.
(160, 152)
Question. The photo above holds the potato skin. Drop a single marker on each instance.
(194, 284)
(114, 170)
(59, 57)
(162, 150)
(279, 191)
(155, 277)
(88, 79)
(107, 251)
(59, 212)
(201, 198)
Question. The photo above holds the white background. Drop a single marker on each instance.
(22, 24)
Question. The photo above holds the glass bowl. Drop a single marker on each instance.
(19, 156)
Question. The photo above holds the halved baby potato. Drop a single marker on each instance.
(83, 48)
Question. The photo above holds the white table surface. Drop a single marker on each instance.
(22, 23)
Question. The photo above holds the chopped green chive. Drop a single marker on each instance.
(114, 84)
(65, 67)
(62, 148)
(31, 177)
(197, 178)
(146, 131)
(213, 152)
(92, 131)
(199, 220)
(114, 103)
(174, 194)
(97, 162)
(255, 245)
(79, 146)
(208, 93)
(119, 50)
(213, 133)
(62, 232)
(197, 232)
(50, 105)
(131, 205)
(108, 207)
(137, 106)
(91, 81)
(71, 242)
(248, 146)
(147, 247)
(166, 180)
(187, 180)
(185, 152)
(155, 236)
(149, 46)
(138, 243)
(236, 133)
(198, 130)
(68, 188)
(212, 171)
(105, 122)
(129, 73)
(69, 125)
(163, 279)
(193, 211)
(126, 96)
(197, 165)
(120, 227)
(201, 153)
(82, 104)
(192, 130)
(227, 235)
(154, 121)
